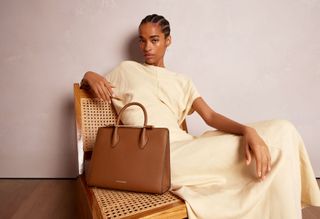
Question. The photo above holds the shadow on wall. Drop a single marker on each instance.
(68, 132)
(69, 137)
(133, 51)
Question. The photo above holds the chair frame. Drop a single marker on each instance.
(87, 204)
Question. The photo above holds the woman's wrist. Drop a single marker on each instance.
(84, 82)
(247, 129)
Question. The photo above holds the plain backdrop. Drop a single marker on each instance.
(250, 60)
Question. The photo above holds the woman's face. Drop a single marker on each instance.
(153, 43)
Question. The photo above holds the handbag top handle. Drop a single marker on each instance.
(137, 104)
(143, 137)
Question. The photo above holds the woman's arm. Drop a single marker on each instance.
(98, 84)
(251, 141)
(217, 120)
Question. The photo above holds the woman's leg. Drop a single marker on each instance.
(211, 175)
(282, 134)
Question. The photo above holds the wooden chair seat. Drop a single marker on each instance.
(93, 202)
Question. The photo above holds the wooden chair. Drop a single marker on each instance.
(93, 202)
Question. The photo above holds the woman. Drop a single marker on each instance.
(209, 171)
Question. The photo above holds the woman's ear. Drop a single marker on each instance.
(168, 41)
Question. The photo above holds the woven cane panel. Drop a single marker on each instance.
(120, 204)
(95, 113)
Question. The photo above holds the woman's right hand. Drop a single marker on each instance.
(99, 85)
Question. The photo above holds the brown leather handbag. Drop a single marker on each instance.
(131, 158)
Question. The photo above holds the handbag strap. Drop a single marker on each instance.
(137, 104)
(143, 136)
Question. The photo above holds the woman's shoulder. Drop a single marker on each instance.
(123, 67)
(129, 64)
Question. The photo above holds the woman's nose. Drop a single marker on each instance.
(147, 47)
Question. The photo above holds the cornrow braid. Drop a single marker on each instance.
(158, 19)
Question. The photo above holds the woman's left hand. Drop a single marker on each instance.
(253, 143)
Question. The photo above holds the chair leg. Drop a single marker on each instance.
(83, 203)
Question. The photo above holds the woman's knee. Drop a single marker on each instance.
(274, 123)
(282, 128)
(275, 127)
(282, 124)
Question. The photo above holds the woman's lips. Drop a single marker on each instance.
(148, 55)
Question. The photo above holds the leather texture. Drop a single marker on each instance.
(131, 158)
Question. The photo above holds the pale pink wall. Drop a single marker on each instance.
(251, 60)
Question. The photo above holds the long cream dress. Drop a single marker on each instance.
(209, 171)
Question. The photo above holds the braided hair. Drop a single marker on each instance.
(158, 19)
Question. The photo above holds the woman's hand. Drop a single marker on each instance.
(100, 87)
(252, 142)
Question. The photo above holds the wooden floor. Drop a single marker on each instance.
(38, 198)
(56, 198)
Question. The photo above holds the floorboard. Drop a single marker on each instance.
(38, 198)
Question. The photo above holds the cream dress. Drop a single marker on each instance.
(209, 171)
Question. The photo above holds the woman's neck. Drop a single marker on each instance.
(160, 63)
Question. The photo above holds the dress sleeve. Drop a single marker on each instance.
(117, 79)
(191, 93)
(114, 76)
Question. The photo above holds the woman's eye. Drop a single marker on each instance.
(154, 40)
